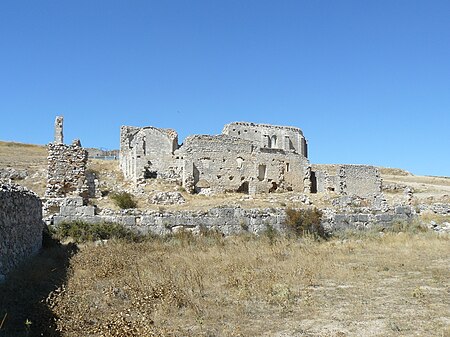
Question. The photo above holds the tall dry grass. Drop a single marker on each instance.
(246, 286)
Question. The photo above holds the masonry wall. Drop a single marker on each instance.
(233, 220)
(269, 136)
(224, 163)
(20, 226)
(66, 173)
(360, 180)
(148, 153)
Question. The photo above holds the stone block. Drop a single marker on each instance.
(385, 217)
(403, 210)
(72, 201)
(363, 217)
(77, 210)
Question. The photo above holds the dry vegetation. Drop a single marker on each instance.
(390, 285)
(29, 158)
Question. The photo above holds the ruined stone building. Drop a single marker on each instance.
(246, 157)
(66, 172)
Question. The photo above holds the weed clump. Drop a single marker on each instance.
(124, 200)
(81, 231)
(306, 221)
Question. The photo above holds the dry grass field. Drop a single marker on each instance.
(28, 158)
(390, 285)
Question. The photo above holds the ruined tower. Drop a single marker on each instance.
(59, 137)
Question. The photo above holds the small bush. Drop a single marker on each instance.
(307, 221)
(82, 231)
(124, 200)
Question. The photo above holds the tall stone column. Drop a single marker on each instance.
(59, 138)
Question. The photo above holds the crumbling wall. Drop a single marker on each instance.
(148, 153)
(20, 226)
(360, 180)
(235, 220)
(66, 174)
(216, 163)
(269, 136)
(229, 164)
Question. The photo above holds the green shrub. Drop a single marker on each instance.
(82, 231)
(306, 221)
(124, 200)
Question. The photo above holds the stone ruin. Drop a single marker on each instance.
(20, 226)
(361, 180)
(66, 174)
(247, 157)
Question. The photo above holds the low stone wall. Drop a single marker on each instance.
(366, 219)
(228, 220)
(20, 226)
(436, 208)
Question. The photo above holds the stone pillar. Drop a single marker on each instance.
(287, 143)
(59, 138)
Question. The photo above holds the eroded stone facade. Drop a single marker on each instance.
(246, 157)
(148, 152)
(20, 226)
(361, 180)
(66, 171)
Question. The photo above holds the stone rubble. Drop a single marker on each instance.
(167, 198)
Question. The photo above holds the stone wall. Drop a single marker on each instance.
(66, 174)
(246, 157)
(20, 226)
(365, 219)
(230, 220)
(148, 153)
(360, 180)
(287, 138)
(261, 158)
(228, 164)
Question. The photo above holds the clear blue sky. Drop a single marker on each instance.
(367, 81)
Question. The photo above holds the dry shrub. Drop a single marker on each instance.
(81, 231)
(306, 221)
(124, 200)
